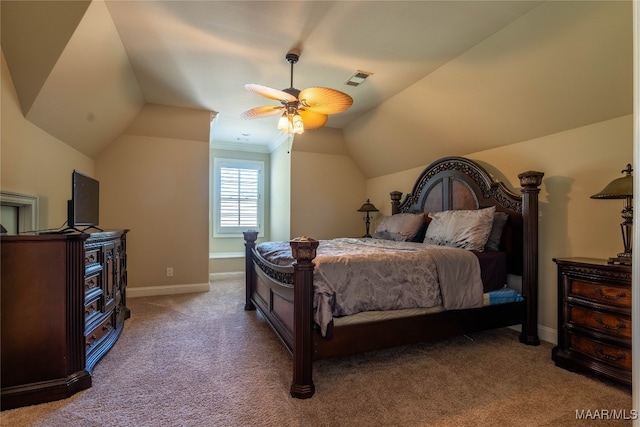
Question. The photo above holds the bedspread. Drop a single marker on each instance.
(355, 275)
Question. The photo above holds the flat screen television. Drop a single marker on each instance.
(83, 208)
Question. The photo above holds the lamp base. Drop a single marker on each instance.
(620, 259)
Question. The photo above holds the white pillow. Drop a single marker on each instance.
(467, 229)
(399, 227)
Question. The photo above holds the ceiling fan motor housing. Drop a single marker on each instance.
(292, 91)
(292, 57)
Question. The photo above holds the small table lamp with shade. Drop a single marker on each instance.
(367, 207)
(622, 188)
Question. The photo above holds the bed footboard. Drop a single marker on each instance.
(271, 290)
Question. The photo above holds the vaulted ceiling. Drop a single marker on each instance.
(448, 77)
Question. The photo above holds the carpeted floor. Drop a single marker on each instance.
(201, 360)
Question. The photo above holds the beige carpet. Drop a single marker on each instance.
(200, 360)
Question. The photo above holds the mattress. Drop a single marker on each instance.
(500, 296)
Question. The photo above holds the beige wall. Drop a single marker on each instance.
(577, 164)
(281, 193)
(159, 188)
(34, 162)
(326, 191)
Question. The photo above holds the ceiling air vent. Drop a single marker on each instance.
(358, 78)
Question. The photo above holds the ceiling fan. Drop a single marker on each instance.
(301, 109)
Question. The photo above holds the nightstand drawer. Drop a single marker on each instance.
(611, 324)
(612, 355)
(594, 318)
(611, 295)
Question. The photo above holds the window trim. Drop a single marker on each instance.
(218, 163)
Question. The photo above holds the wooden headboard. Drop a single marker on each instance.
(458, 183)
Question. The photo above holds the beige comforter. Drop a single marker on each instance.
(355, 275)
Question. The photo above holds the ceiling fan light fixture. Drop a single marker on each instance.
(283, 122)
(297, 123)
(291, 123)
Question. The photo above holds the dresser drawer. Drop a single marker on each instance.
(606, 353)
(616, 325)
(92, 256)
(95, 335)
(92, 282)
(91, 310)
(611, 295)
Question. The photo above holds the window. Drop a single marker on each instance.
(238, 202)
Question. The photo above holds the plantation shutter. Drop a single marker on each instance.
(239, 197)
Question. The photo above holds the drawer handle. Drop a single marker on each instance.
(615, 358)
(90, 309)
(619, 295)
(92, 339)
(620, 325)
(91, 258)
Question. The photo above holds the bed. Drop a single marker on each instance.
(285, 294)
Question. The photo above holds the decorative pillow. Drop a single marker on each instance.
(399, 227)
(467, 229)
(499, 221)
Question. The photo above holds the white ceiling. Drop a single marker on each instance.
(201, 53)
(449, 77)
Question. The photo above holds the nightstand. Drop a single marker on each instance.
(594, 318)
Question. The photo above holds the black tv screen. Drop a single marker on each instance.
(84, 203)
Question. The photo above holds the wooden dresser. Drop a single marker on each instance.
(63, 307)
(594, 318)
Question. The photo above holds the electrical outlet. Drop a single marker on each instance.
(169, 271)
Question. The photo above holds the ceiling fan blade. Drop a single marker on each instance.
(324, 100)
(312, 120)
(270, 93)
(258, 112)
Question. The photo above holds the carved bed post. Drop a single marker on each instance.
(530, 182)
(395, 201)
(250, 237)
(303, 250)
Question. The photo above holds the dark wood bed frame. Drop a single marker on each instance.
(284, 295)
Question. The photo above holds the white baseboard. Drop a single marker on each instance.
(225, 276)
(149, 291)
(548, 334)
(225, 255)
(544, 333)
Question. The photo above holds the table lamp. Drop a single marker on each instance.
(622, 188)
(367, 207)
